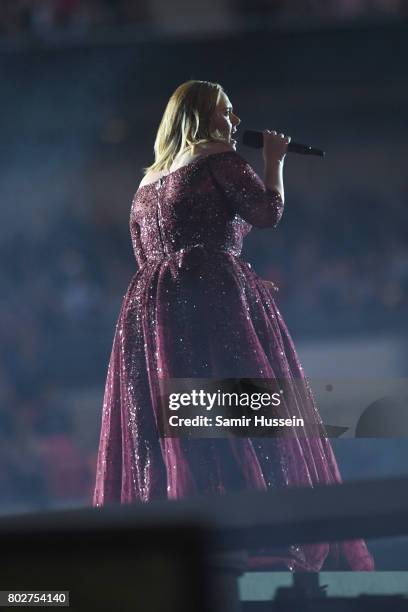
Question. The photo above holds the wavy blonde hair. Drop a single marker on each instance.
(186, 122)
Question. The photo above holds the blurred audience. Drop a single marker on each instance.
(339, 271)
(61, 299)
(337, 274)
(41, 17)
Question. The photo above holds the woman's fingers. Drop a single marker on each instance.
(275, 145)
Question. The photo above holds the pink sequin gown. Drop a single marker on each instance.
(194, 308)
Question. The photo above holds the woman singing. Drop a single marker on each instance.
(195, 309)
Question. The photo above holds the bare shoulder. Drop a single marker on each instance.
(216, 147)
(202, 150)
(150, 177)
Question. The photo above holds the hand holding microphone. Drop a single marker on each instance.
(255, 139)
(275, 146)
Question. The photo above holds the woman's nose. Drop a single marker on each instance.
(237, 120)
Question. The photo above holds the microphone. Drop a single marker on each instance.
(254, 139)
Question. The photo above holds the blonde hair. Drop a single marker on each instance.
(186, 122)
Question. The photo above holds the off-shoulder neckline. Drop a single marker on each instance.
(193, 161)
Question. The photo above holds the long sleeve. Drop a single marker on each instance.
(244, 191)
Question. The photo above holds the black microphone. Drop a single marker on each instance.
(254, 139)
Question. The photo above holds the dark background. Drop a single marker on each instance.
(83, 87)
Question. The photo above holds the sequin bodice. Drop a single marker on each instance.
(213, 202)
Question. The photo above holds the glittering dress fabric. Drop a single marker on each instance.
(194, 308)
